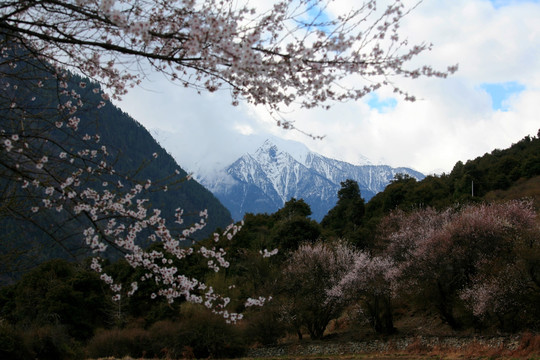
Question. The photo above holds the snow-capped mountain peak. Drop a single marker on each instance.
(276, 146)
(263, 180)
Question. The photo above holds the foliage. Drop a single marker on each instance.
(43, 342)
(506, 288)
(290, 233)
(292, 208)
(199, 334)
(311, 273)
(266, 325)
(345, 219)
(119, 343)
(444, 258)
(51, 342)
(468, 182)
(482, 259)
(53, 294)
(11, 343)
(208, 335)
(371, 280)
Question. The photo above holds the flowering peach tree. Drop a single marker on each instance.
(312, 272)
(293, 52)
(371, 280)
(506, 287)
(482, 258)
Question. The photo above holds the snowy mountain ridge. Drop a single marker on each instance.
(263, 180)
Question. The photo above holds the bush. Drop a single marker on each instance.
(119, 343)
(207, 335)
(199, 334)
(163, 340)
(265, 326)
(11, 343)
(51, 342)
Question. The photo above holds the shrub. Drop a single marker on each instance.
(51, 342)
(199, 334)
(207, 335)
(266, 325)
(11, 343)
(119, 343)
(163, 340)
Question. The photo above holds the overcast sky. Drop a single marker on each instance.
(491, 102)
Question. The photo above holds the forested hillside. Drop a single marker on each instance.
(472, 181)
(139, 155)
(135, 155)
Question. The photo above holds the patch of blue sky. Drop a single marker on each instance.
(501, 92)
(382, 105)
(319, 17)
(500, 3)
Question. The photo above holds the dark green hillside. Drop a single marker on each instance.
(134, 147)
(472, 181)
(27, 238)
(523, 188)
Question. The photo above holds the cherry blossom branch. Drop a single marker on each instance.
(263, 59)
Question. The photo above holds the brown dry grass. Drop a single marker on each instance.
(528, 348)
(523, 188)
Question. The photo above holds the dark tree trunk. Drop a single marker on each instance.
(445, 307)
(380, 314)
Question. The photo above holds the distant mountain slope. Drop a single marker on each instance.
(131, 149)
(262, 181)
(134, 146)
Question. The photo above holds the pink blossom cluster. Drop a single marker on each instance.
(325, 265)
(368, 275)
(480, 253)
(266, 254)
(257, 302)
(274, 57)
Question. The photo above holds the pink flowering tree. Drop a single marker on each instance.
(371, 280)
(506, 288)
(274, 57)
(450, 260)
(430, 268)
(312, 271)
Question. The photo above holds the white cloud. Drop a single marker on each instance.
(453, 120)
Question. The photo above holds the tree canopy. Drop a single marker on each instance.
(345, 219)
